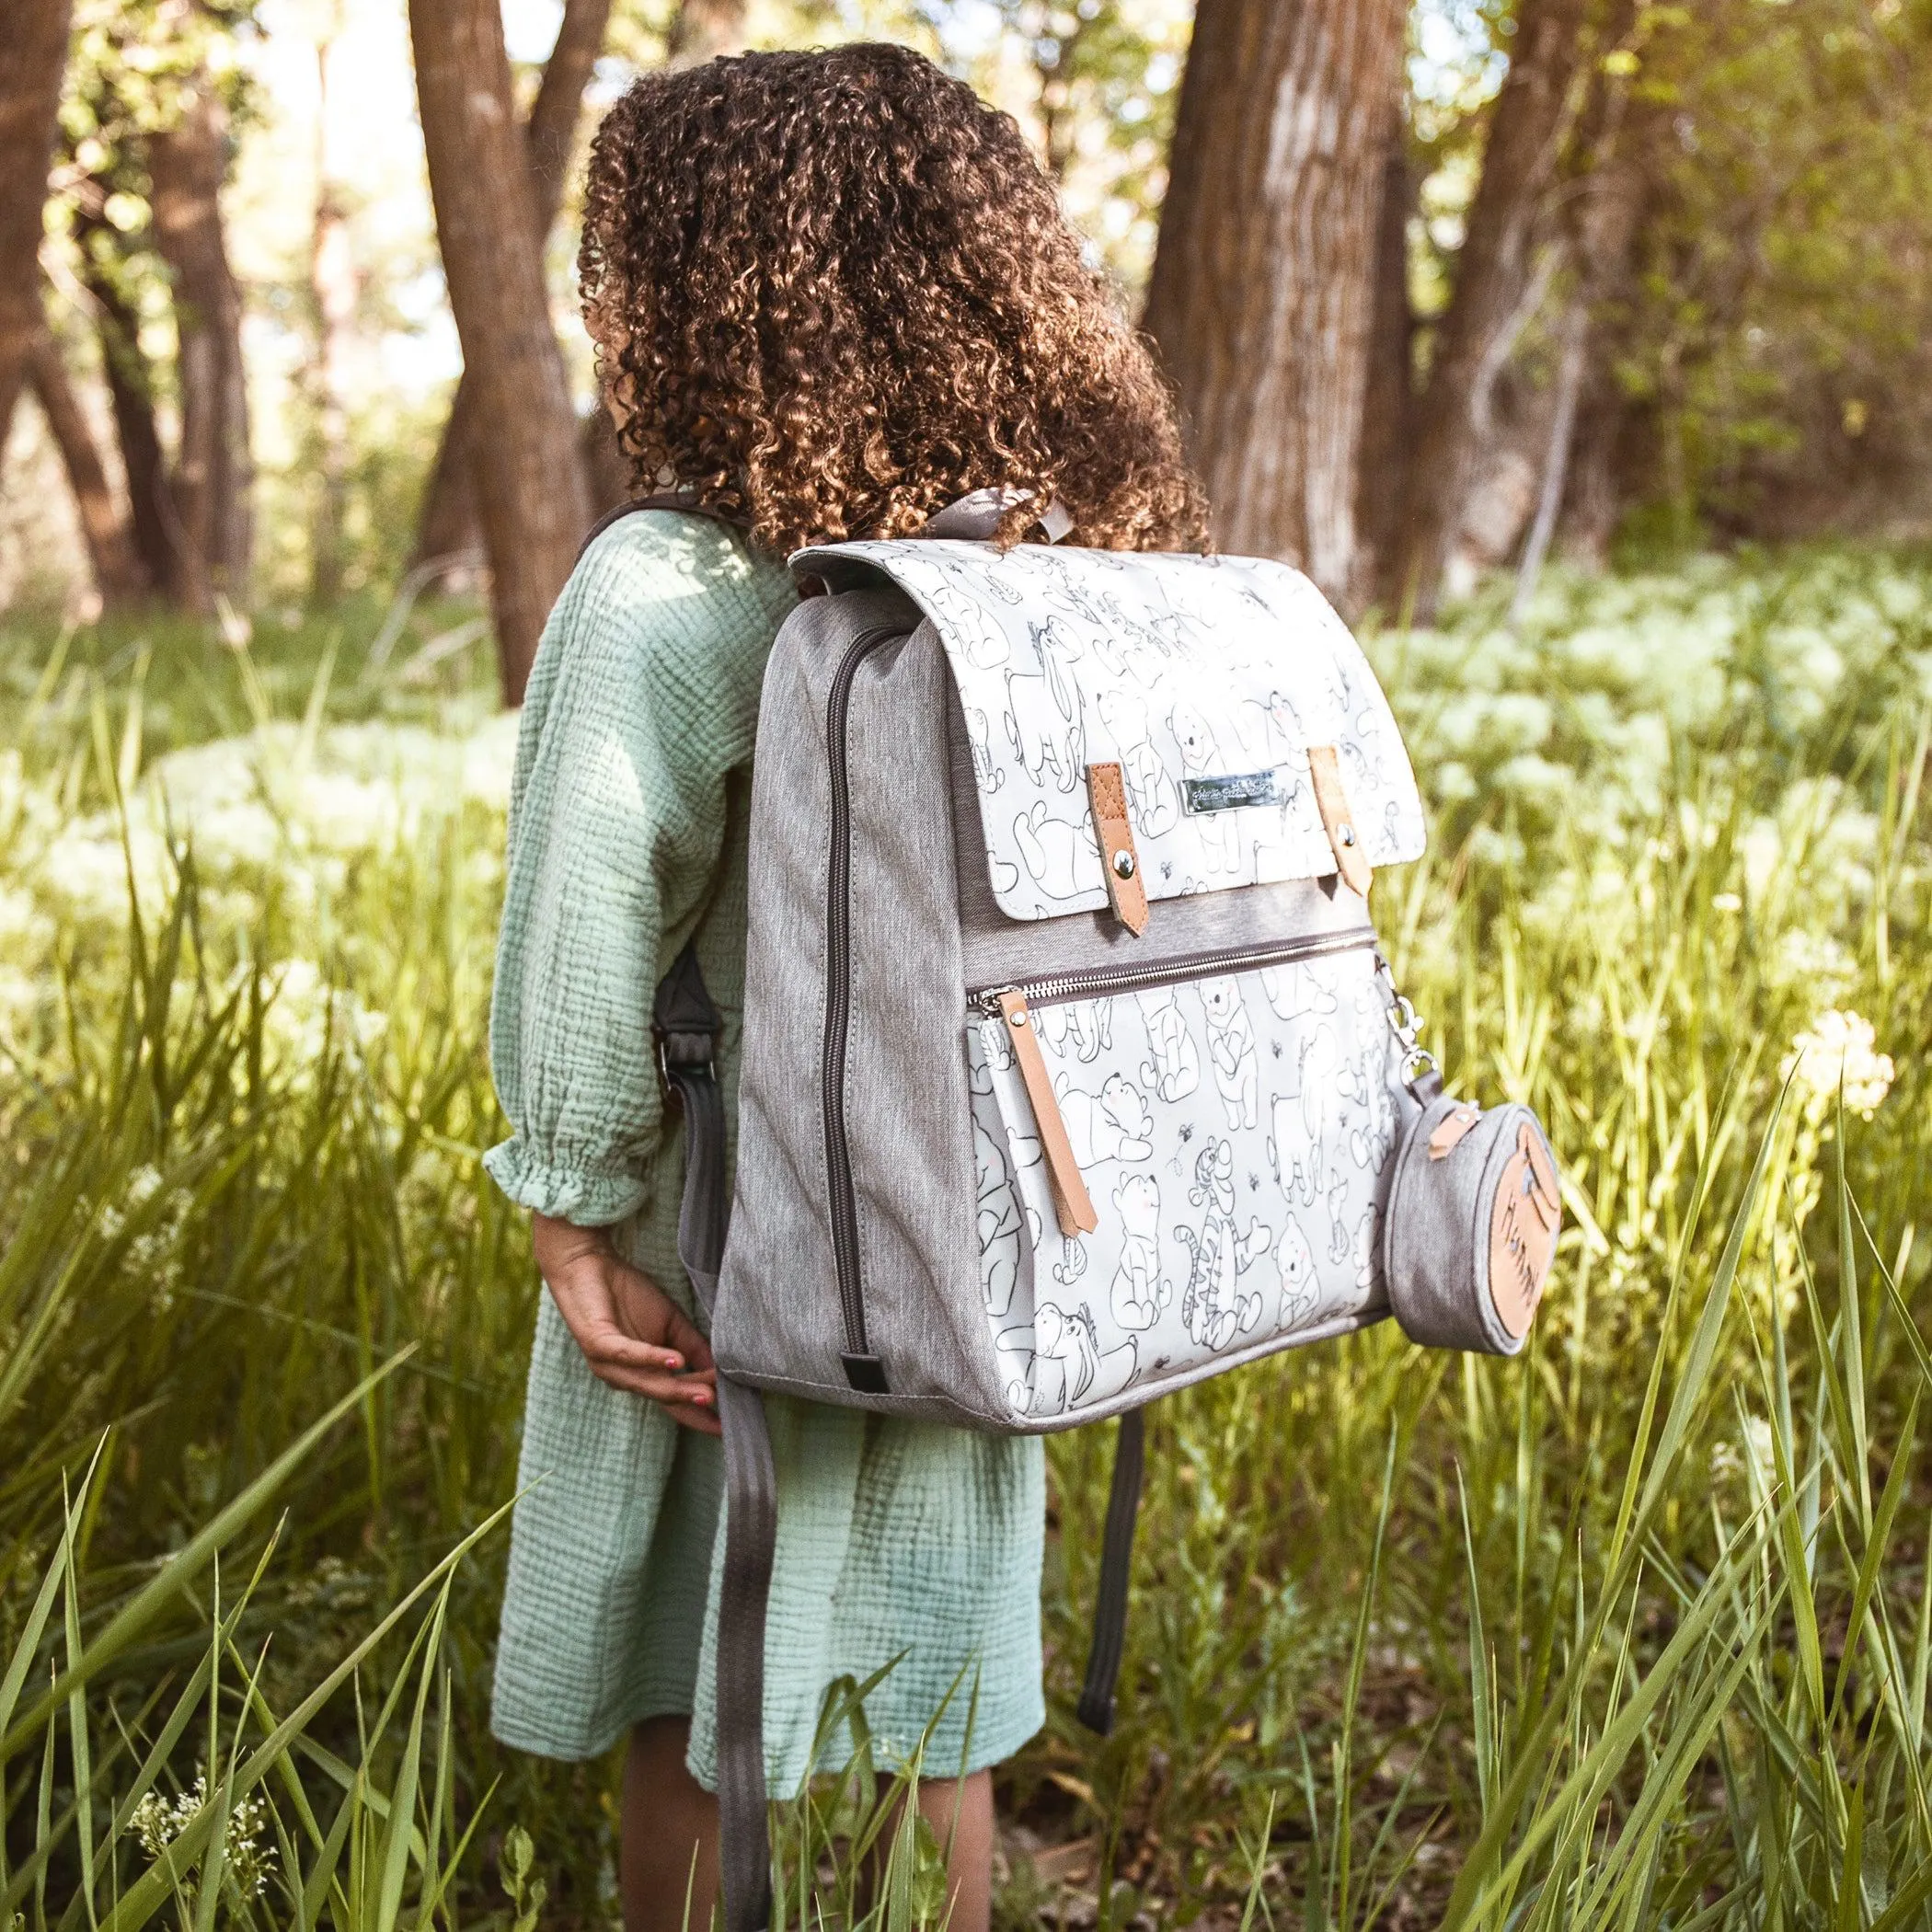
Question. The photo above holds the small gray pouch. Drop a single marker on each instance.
(1470, 1226)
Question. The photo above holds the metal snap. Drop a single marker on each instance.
(1123, 865)
(1346, 833)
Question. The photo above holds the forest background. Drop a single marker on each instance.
(1578, 348)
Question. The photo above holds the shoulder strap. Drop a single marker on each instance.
(669, 499)
(1094, 1709)
(687, 1025)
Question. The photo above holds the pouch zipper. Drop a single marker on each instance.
(1193, 966)
(862, 1368)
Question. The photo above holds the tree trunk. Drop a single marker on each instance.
(531, 488)
(152, 523)
(33, 54)
(335, 290)
(1556, 460)
(213, 480)
(1389, 406)
(118, 575)
(446, 525)
(1608, 222)
(1264, 279)
(1525, 133)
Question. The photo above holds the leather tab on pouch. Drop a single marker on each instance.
(1072, 1207)
(1332, 802)
(1126, 890)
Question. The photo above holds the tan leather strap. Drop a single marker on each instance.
(1072, 1207)
(1126, 890)
(1344, 838)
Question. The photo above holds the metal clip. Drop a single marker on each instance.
(1405, 1023)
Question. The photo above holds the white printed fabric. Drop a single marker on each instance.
(1233, 1132)
(1177, 668)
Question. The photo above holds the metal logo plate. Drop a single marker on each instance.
(1231, 791)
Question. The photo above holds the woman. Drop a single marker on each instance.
(831, 293)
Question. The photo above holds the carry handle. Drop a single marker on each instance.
(977, 516)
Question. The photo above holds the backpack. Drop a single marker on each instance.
(1073, 1070)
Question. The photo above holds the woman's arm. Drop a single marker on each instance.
(632, 1334)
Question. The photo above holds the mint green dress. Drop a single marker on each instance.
(896, 1539)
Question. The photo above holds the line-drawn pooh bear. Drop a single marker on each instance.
(1150, 791)
(1220, 841)
(1296, 1159)
(1175, 1071)
(1297, 991)
(1231, 1050)
(1061, 857)
(1083, 1025)
(1138, 1292)
(1213, 1305)
(998, 1223)
(1296, 1260)
(1113, 1125)
(963, 621)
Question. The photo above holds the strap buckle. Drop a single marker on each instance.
(680, 1053)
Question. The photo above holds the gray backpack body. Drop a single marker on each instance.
(1073, 1072)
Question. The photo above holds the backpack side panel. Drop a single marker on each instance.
(779, 1320)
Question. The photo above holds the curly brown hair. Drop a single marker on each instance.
(832, 291)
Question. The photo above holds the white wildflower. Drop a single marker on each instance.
(1836, 1053)
(1816, 962)
(160, 1821)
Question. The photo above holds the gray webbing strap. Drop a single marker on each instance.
(1094, 1709)
(686, 1026)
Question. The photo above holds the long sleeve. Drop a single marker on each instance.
(642, 701)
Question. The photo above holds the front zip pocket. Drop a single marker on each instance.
(1229, 1120)
(1013, 1003)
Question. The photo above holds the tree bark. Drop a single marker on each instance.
(152, 525)
(1389, 406)
(1525, 135)
(334, 292)
(118, 575)
(215, 474)
(33, 55)
(446, 525)
(1263, 281)
(1608, 222)
(531, 488)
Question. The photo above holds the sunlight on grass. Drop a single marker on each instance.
(1633, 1632)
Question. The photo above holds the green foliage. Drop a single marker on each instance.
(1776, 339)
(1633, 1632)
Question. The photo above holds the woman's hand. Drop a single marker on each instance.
(632, 1334)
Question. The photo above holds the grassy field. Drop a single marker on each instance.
(1632, 1633)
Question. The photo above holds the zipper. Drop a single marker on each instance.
(862, 1367)
(1196, 965)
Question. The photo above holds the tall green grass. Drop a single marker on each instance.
(1632, 1632)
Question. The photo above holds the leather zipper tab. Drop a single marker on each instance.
(1072, 1207)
